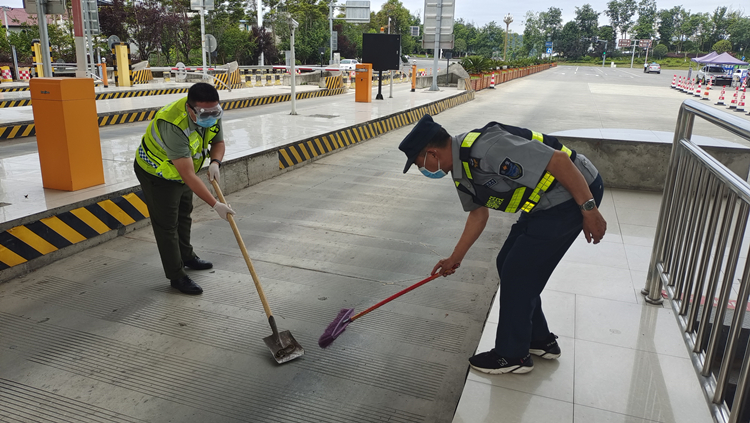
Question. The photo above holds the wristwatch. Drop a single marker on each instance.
(588, 205)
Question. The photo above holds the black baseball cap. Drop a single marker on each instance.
(418, 138)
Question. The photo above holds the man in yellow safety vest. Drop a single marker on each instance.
(179, 139)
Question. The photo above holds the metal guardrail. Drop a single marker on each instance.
(695, 259)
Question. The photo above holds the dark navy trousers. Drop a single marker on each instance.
(536, 244)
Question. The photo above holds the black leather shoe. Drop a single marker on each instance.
(186, 286)
(197, 264)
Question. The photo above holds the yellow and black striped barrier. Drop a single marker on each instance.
(13, 89)
(234, 81)
(333, 82)
(141, 76)
(15, 103)
(26, 242)
(320, 145)
(105, 96)
(27, 129)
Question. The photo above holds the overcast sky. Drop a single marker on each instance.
(481, 12)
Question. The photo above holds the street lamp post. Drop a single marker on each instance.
(7, 36)
(508, 19)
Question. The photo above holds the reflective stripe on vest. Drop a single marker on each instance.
(512, 201)
(151, 154)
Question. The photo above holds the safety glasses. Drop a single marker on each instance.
(213, 112)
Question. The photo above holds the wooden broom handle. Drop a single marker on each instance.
(250, 267)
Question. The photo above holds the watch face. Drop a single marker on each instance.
(589, 205)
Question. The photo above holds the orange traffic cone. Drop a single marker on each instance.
(741, 103)
(733, 103)
(704, 96)
(720, 102)
(697, 92)
(674, 81)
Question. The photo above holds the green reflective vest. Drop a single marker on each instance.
(151, 154)
(512, 201)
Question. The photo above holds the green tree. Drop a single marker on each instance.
(551, 22)
(533, 37)
(739, 36)
(571, 44)
(719, 26)
(645, 27)
(620, 13)
(660, 51)
(587, 20)
(722, 46)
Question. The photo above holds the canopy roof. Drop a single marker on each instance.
(703, 59)
(725, 59)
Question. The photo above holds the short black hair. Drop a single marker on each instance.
(202, 92)
(439, 140)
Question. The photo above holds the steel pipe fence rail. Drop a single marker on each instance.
(696, 256)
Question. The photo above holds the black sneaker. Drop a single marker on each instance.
(186, 286)
(546, 348)
(196, 263)
(490, 362)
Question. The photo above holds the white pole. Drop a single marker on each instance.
(203, 41)
(44, 38)
(390, 95)
(330, 29)
(294, 75)
(436, 50)
(259, 7)
(632, 46)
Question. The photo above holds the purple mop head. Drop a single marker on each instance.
(335, 328)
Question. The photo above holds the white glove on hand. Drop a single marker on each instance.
(223, 210)
(213, 171)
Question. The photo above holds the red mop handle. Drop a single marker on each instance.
(393, 297)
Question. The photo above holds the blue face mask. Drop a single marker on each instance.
(206, 123)
(432, 175)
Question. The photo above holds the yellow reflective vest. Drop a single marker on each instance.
(151, 154)
(512, 201)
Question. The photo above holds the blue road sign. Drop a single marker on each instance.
(548, 44)
(549, 50)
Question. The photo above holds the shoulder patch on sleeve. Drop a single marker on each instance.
(510, 169)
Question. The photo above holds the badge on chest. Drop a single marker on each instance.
(511, 169)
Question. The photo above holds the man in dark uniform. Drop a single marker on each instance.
(514, 169)
(182, 136)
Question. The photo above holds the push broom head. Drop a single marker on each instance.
(335, 328)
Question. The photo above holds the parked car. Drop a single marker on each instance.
(652, 67)
(739, 76)
(348, 64)
(717, 72)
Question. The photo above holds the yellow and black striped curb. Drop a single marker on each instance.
(27, 129)
(26, 242)
(313, 147)
(15, 103)
(107, 96)
(14, 89)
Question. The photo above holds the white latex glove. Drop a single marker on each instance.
(223, 210)
(213, 171)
